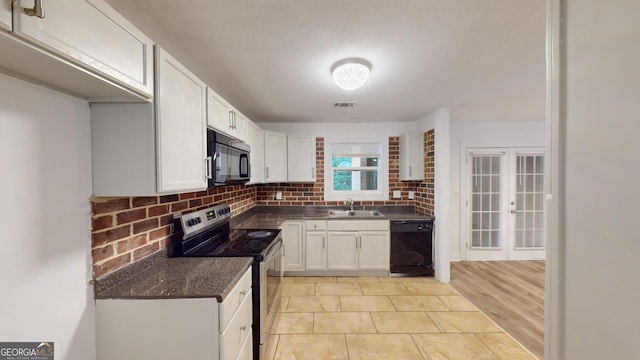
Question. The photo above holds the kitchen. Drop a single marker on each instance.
(47, 139)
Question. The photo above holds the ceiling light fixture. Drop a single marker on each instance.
(350, 74)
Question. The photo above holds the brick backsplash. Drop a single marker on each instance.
(127, 229)
(313, 193)
(425, 195)
(130, 228)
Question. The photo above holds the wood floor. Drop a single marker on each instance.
(511, 293)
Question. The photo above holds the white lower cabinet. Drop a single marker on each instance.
(374, 250)
(168, 329)
(315, 246)
(358, 245)
(342, 252)
(293, 240)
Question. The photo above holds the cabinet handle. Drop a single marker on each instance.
(235, 121)
(323, 241)
(209, 170)
(313, 173)
(267, 170)
(243, 327)
(37, 10)
(243, 293)
(410, 170)
(230, 119)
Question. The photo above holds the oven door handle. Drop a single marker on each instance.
(272, 253)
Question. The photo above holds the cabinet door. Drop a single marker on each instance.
(374, 250)
(239, 126)
(5, 15)
(292, 237)
(316, 250)
(181, 118)
(301, 158)
(342, 253)
(92, 34)
(412, 157)
(219, 113)
(275, 157)
(255, 140)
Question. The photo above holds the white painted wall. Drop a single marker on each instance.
(441, 121)
(598, 192)
(483, 133)
(45, 162)
(335, 130)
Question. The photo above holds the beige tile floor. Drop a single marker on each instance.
(383, 318)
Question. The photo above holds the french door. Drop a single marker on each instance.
(504, 204)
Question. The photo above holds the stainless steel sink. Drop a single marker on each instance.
(355, 213)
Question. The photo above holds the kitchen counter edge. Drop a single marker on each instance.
(160, 277)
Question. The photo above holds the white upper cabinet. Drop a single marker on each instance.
(275, 157)
(301, 158)
(93, 35)
(219, 113)
(255, 139)
(412, 157)
(5, 15)
(181, 115)
(224, 118)
(139, 150)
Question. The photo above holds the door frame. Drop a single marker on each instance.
(465, 217)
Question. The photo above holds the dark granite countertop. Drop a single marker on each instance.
(160, 277)
(271, 217)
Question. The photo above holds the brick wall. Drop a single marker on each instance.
(130, 228)
(425, 195)
(313, 193)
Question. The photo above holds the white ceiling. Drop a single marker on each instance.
(271, 59)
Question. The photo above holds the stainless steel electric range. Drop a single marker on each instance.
(206, 233)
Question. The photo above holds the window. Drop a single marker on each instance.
(356, 170)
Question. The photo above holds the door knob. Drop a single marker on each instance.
(513, 211)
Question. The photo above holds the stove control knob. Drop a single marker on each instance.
(198, 220)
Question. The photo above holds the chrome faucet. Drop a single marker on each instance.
(350, 201)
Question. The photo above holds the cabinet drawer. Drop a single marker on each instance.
(316, 225)
(358, 225)
(239, 328)
(239, 292)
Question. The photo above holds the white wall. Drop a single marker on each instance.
(483, 133)
(45, 162)
(598, 192)
(336, 130)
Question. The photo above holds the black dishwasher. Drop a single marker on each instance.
(412, 247)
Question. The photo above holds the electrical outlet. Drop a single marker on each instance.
(397, 194)
(279, 195)
(411, 194)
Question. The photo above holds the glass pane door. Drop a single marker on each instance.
(529, 230)
(504, 204)
(485, 201)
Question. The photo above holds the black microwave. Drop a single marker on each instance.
(228, 160)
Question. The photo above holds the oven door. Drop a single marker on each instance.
(271, 272)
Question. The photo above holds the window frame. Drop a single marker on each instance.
(382, 193)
